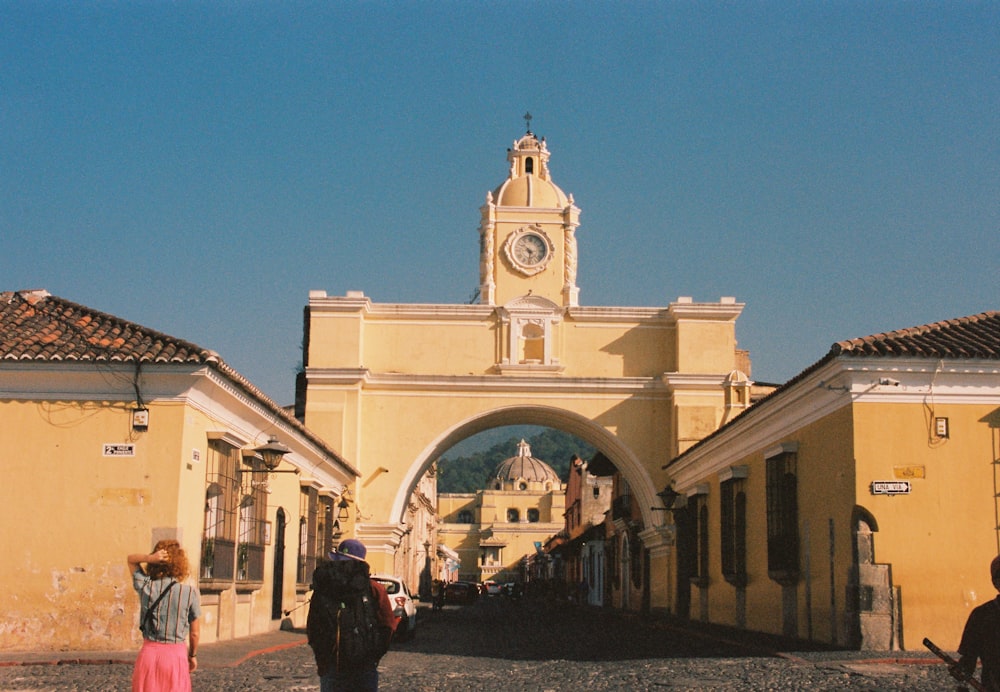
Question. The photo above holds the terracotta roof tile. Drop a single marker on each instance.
(976, 336)
(37, 326)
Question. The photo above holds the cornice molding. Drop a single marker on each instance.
(657, 316)
(354, 377)
(726, 309)
(320, 303)
(696, 382)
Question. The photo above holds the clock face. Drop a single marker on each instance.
(530, 249)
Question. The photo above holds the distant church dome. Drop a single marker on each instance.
(525, 467)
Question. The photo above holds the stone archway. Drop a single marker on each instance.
(392, 386)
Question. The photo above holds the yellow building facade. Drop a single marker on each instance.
(117, 436)
(394, 386)
(857, 504)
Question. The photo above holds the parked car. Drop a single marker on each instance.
(513, 589)
(461, 592)
(402, 605)
(491, 588)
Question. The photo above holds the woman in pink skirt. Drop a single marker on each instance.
(169, 612)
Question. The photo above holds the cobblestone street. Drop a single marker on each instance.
(498, 644)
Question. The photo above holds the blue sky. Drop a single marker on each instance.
(199, 167)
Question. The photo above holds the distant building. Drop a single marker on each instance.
(859, 503)
(116, 436)
(418, 560)
(492, 529)
(580, 547)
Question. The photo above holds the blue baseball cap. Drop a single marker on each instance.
(351, 549)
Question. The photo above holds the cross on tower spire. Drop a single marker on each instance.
(527, 122)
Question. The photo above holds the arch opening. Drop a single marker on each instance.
(623, 459)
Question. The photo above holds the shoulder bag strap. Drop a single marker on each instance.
(146, 621)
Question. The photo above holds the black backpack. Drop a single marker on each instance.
(343, 626)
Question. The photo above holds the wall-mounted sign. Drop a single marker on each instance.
(908, 472)
(890, 487)
(119, 450)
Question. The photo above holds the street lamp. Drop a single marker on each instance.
(669, 497)
(342, 513)
(270, 456)
(272, 453)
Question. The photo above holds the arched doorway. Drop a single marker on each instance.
(278, 573)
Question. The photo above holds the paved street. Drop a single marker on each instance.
(497, 644)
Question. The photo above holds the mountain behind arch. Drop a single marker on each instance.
(466, 467)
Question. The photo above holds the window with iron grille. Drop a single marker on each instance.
(702, 542)
(308, 509)
(222, 497)
(614, 571)
(252, 518)
(635, 559)
(782, 518)
(324, 527)
(733, 541)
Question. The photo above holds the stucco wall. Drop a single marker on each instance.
(72, 515)
(941, 537)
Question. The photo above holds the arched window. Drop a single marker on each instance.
(513, 515)
(529, 165)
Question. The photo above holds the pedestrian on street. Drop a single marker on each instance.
(350, 621)
(437, 594)
(981, 637)
(168, 616)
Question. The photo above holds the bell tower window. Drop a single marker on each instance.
(529, 323)
(529, 165)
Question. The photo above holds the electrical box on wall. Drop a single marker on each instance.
(140, 418)
(941, 427)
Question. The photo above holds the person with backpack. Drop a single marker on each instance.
(350, 621)
(169, 612)
(981, 638)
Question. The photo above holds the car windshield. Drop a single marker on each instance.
(391, 587)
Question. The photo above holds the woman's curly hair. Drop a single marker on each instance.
(177, 567)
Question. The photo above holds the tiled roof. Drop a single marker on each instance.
(37, 326)
(41, 327)
(976, 336)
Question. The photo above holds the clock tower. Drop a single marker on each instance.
(527, 232)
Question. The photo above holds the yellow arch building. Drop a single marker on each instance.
(393, 386)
